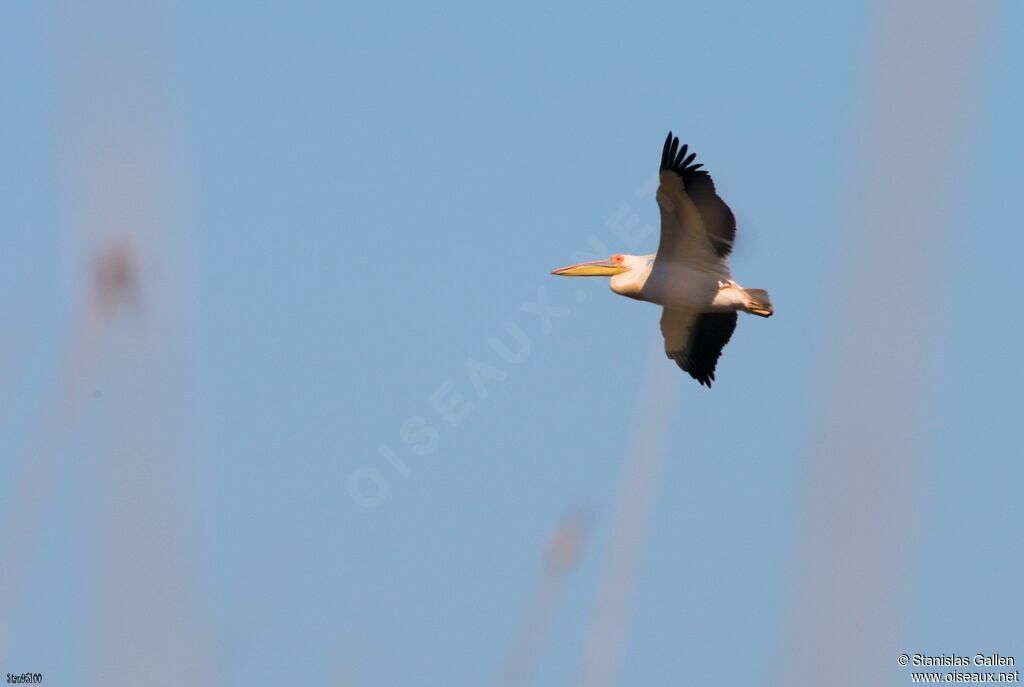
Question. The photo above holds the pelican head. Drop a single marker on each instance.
(617, 264)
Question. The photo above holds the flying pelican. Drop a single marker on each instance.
(689, 275)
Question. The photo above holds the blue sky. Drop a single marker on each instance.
(370, 191)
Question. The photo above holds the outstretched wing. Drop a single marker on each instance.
(695, 340)
(696, 225)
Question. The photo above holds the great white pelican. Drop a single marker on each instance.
(689, 275)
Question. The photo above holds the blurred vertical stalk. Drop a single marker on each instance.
(606, 634)
(31, 493)
(142, 607)
(887, 302)
(563, 552)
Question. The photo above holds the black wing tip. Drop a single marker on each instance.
(711, 333)
(702, 376)
(675, 159)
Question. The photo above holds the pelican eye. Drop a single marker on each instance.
(617, 259)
